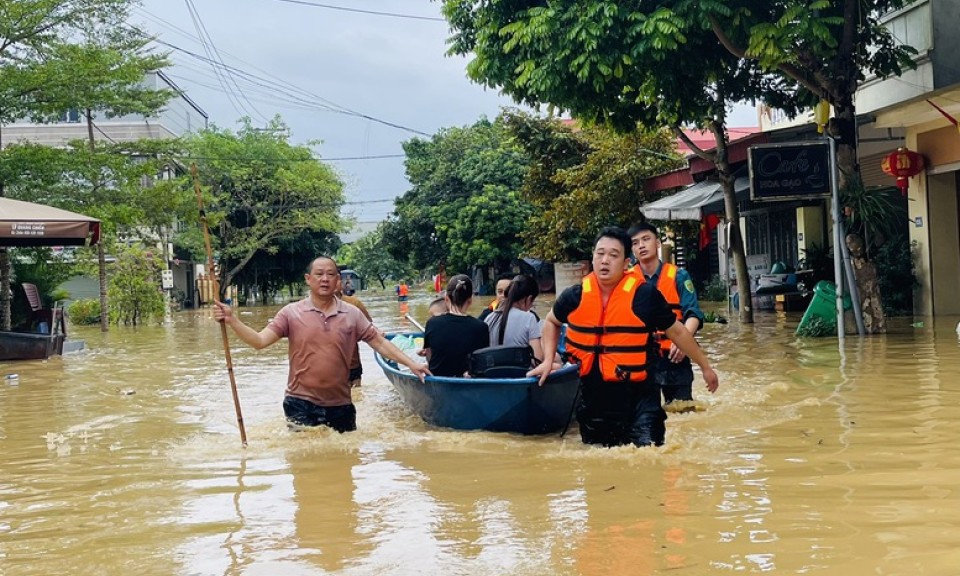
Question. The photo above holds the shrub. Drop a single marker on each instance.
(85, 311)
(715, 290)
(134, 291)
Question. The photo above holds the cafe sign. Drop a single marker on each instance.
(789, 171)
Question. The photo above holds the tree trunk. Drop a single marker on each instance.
(101, 251)
(732, 213)
(104, 305)
(843, 128)
(6, 320)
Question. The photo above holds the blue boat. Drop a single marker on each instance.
(516, 405)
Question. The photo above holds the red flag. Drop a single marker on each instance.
(707, 225)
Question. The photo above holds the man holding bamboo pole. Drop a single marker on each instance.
(322, 331)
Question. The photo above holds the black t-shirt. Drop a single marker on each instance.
(451, 339)
(648, 305)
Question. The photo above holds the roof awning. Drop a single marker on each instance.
(695, 201)
(29, 224)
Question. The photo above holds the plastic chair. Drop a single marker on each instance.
(53, 317)
(501, 362)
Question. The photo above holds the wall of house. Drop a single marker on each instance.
(810, 228)
(944, 242)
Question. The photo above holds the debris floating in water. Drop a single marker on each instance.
(12, 379)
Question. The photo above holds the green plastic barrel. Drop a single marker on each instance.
(823, 306)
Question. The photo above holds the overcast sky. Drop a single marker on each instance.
(298, 59)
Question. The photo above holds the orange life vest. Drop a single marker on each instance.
(612, 334)
(667, 285)
(404, 290)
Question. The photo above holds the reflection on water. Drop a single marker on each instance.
(125, 458)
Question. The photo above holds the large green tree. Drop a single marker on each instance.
(262, 190)
(461, 209)
(284, 264)
(582, 180)
(826, 46)
(619, 64)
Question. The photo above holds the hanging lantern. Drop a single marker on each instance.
(902, 164)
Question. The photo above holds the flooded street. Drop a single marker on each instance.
(125, 459)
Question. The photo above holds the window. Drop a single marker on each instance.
(72, 116)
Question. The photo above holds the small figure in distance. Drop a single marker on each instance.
(450, 338)
(609, 318)
(321, 331)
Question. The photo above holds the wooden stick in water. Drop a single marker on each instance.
(216, 292)
(415, 323)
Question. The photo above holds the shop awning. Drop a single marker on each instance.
(695, 201)
(29, 224)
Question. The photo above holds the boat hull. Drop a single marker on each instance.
(516, 405)
(27, 346)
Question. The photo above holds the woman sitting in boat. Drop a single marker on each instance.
(513, 323)
(449, 339)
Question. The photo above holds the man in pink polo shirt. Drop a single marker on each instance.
(322, 331)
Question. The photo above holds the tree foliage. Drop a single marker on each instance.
(261, 190)
(270, 272)
(581, 181)
(370, 257)
(451, 215)
(135, 295)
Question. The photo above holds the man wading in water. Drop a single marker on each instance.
(322, 331)
(610, 318)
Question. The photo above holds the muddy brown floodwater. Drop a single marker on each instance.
(125, 459)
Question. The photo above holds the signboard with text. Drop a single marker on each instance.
(789, 171)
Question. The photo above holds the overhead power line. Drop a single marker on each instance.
(254, 79)
(359, 11)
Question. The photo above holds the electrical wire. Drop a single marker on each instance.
(359, 11)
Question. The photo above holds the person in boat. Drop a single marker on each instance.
(356, 366)
(673, 369)
(450, 338)
(321, 331)
(512, 323)
(437, 307)
(610, 317)
(503, 282)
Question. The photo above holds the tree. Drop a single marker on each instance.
(369, 256)
(448, 175)
(616, 64)
(582, 181)
(57, 55)
(270, 272)
(135, 295)
(826, 46)
(261, 190)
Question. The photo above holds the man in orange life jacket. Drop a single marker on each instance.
(610, 318)
(673, 369)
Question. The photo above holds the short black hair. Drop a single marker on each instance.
(617, 233)
(642, 227)
(322, 257)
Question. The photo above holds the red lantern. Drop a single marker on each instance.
(902, 164)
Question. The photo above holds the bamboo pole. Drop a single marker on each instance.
(216, 292)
